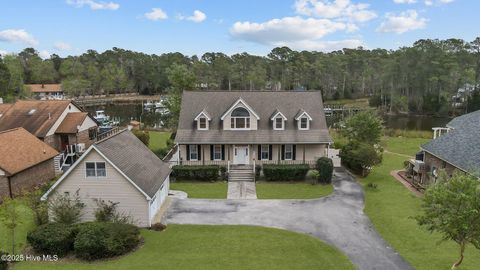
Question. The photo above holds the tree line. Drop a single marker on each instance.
(418, 79)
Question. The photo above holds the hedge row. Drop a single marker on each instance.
(274, 172)
(196, 173)
(91, 240)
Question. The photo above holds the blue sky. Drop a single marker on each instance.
(70, 27)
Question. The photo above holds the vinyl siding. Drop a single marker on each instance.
(114, 187)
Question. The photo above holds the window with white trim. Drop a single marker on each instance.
(240, 119)
(279, 123)
(265, 152)
(303, 123)
(288, 152)
(193, 152)
(217, 152)
(202, 123)
(95, 169)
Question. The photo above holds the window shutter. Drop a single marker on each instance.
(283, 151)
(223, 151)
(188, 152)
(211, 152)
(259, 155)
(270, 152)
(199, 151)
(294, 153)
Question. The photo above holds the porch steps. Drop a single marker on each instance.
(57, 164)
(241, 173)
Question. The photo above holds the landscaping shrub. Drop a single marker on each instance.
(273, 172)
(3, 263)
(158, 227)
(52, 238)
(97, 240)
(66, 209)
(142, 135)
(313, 176)
(200, 173)
(258, 170)
(223, 173)
(361, 157)
(324, 166)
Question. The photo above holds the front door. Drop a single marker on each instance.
(240, 155)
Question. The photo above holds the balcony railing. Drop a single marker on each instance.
(311, 163)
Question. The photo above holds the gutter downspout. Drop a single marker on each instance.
(10, 193)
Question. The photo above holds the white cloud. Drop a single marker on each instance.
(295, 32)
(326, 46)
(404, 22)
(197, 17)
(156, 14)
(17, 35)
(285, 29)
(404, 1)
(62, 46)
(94, 5)
(437, 2)
(44, 54)
(3, 53)
(337, 9)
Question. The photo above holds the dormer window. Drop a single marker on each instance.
(304, 123)
(240, 119)
(278, 120)
(279, 123)
(202, 123)
(303, 120)
(202, 119)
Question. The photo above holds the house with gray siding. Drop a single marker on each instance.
(251, 127)
(121, 169)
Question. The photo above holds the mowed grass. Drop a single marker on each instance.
(158, 140)
(269, 190)
(25, 224)
(403, 145)
(202, 190)
(391, 208)
(218, 247)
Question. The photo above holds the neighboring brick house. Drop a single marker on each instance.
(456, 150)
(25, 162)
(59, 123)
(247, 127)
(46, 91)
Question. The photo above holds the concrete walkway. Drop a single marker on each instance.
(337, 219)
(241, 190)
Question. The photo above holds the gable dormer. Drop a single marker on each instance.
(278, 119)
(303, 120)
(240, 116)
(203, 120)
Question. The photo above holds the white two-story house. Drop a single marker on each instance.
(247, 127)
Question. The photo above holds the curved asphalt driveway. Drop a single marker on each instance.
(337, 219)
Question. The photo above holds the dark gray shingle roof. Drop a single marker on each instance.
(264, 103)
(135, 160)
(460, 146)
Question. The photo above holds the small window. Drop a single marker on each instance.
(288, 152)
(92, 133)
(265, 152)
(217, 152)
(202, 123)
(279, 123)
(304, 123)
(95, 169)
(193, 152)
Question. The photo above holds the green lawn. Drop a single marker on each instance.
(201, 190)
(219, 247)
(391, 208)
(269, 190)
(158, 140)
(26, 224)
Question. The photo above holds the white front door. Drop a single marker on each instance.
(240, 155)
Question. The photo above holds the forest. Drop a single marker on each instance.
(420, 79)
